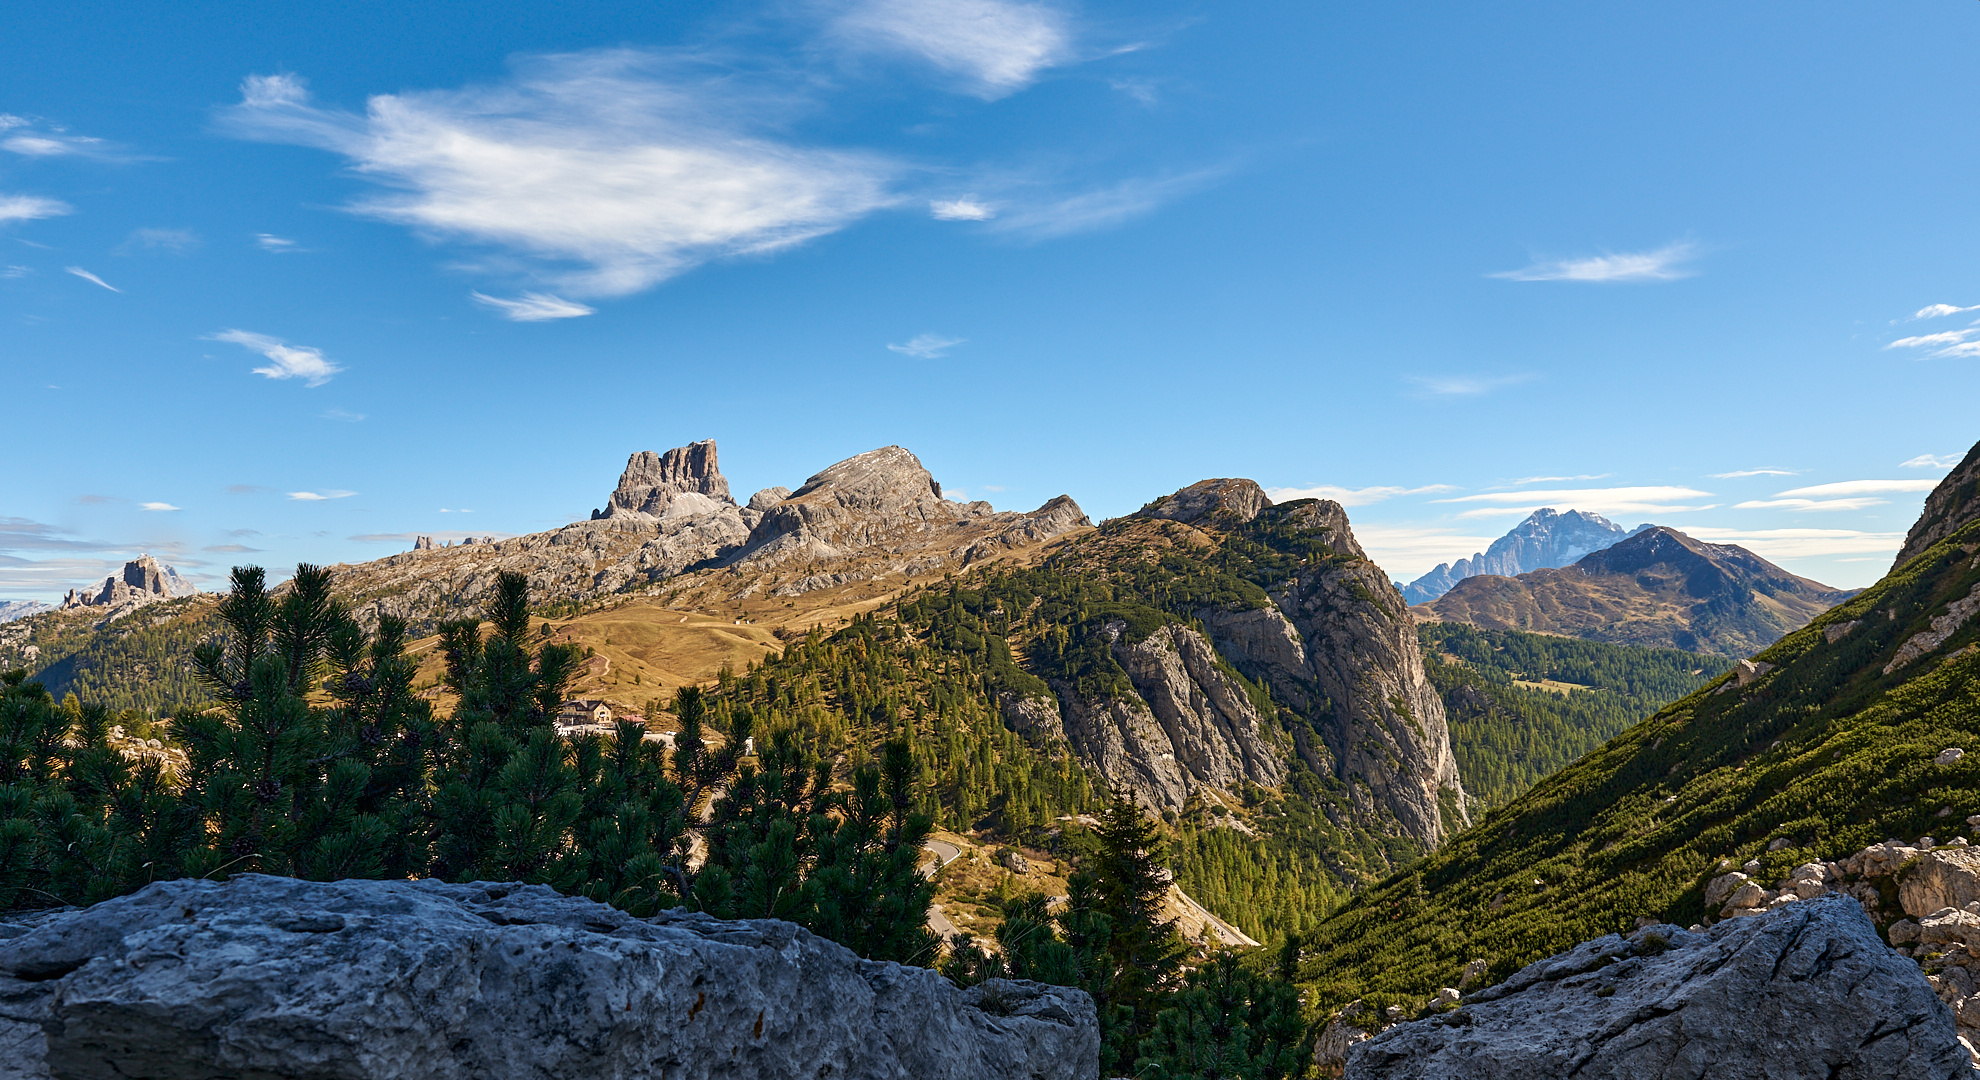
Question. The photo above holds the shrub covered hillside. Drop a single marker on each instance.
(1828, 746)
(1523, 706)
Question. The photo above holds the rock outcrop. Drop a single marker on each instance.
(1190, 726)
(683, 481)
(1547, 538)
(1339, 644)
(373, 980)
(1952, 504)
(1236, 500)
(1935, 917)
(143, 580)
(1807, 991)
(1659, 588)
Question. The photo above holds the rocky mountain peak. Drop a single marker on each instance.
(1547, 538)
(654, 485)
(1952, 504)
(1659, 588)
(1237, 499)
(891, 475)
(141, 581)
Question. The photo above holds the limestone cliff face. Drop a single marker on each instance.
(682, 482)
(1339, 645)
(1190, 726)
(1952, 504)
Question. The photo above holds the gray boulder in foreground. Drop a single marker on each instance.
(1807, 991)
(266, 978)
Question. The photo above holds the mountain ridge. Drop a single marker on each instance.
(1658, 588)
(1546, 538)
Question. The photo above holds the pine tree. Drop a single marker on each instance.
(1228, 1023)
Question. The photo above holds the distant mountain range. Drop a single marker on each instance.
(20, 609)
(1659, 588)
(1547, 538)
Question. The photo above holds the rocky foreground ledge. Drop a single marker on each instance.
(276, 978)
(1805, 991)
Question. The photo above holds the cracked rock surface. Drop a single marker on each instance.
(274, 978)
(1805, 991)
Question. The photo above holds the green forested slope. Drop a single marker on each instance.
(1506, 736)
(1828, 752)
(142, 661)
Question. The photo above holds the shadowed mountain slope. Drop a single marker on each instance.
(1659, 588)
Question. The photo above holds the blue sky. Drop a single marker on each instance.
(284, 282)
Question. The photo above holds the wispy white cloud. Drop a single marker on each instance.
(1405, 551)
(1861, 487)
(1142, 90)
(1937, 311)
(156, 506)
(1352, 496)
(31, 207)
(444, 510)
(37, 141)
(277, 245)
(615, 169)
(343, 416)
(995, 46)
(1931, 461)
(91, 278)
(1921, 341)
(927, 346)
(1811, 505)
(170, 241)
(535, 307)
(1103, 207)
(1738, 473)
(15, 271)
(1557, 479)
(1801, 543)
(320, 496)
(1463, 385)
(966, 208)
(1663, 264)
(1947, 343)
(288, 361)
(1610, 501)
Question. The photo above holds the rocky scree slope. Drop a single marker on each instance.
(1547, 538)
(376, 980)
(1659, 588)
(672, 524)
(1831, 740)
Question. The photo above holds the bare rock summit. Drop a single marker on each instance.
(681, 482)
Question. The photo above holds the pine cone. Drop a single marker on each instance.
(357, 684)
(244, 689)
(268, 790)
(242, 845)
(412, 739)
(369, 735)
